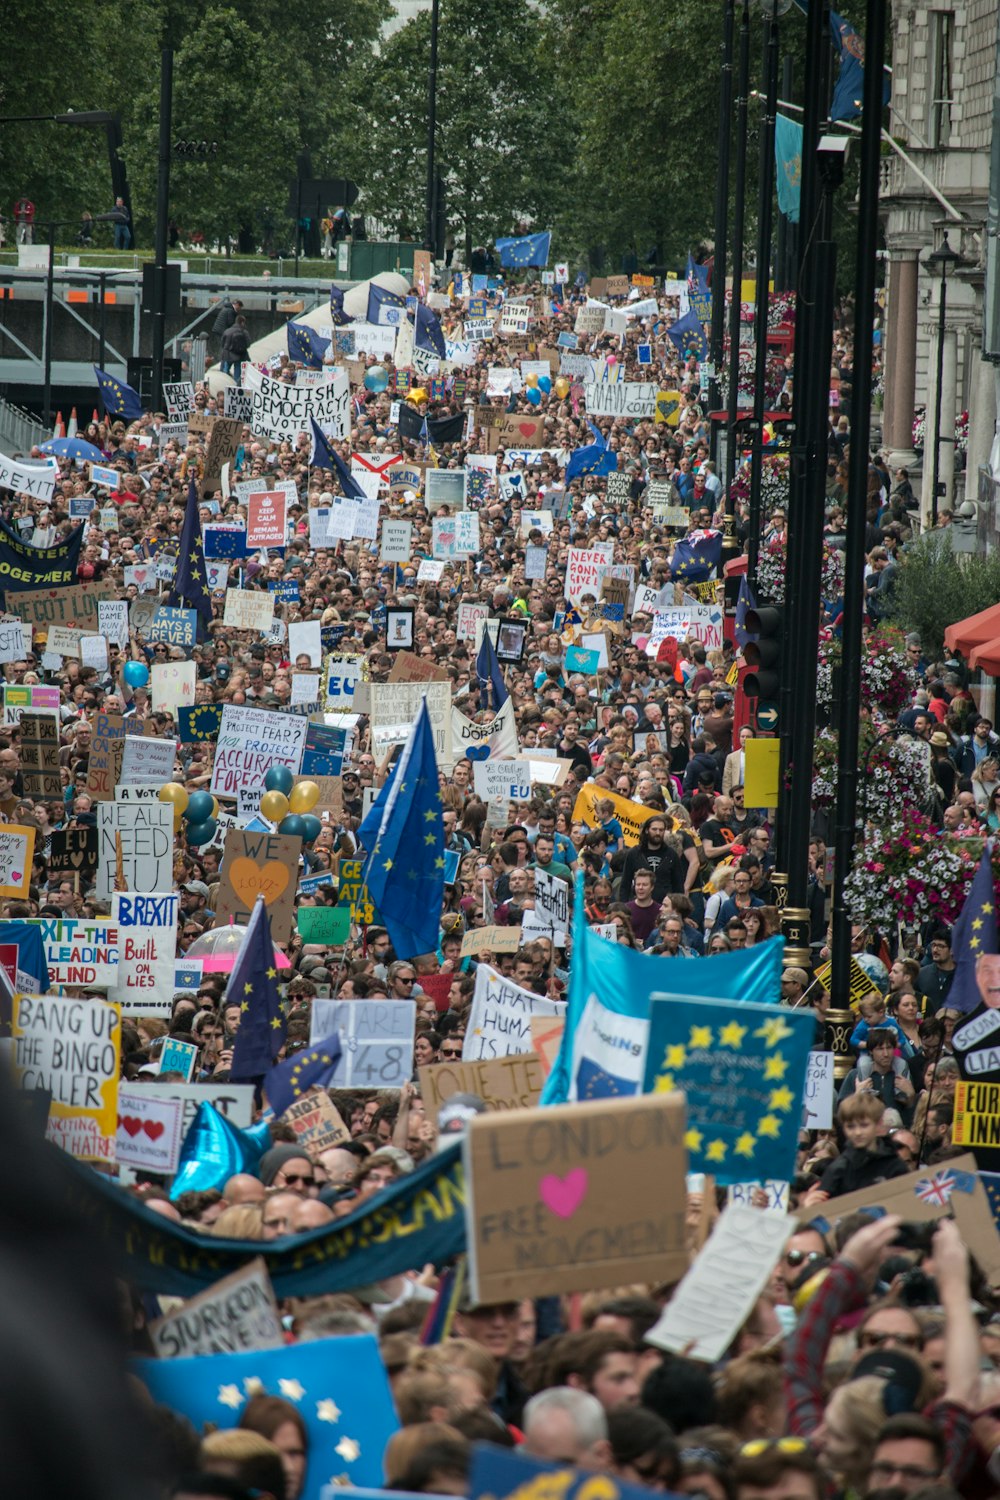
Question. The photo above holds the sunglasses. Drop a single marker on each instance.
(451, 1051)
(802, 1257)
(295, 1177)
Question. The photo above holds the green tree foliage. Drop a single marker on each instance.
(935, 588)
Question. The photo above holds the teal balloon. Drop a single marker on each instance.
(136, 673)
(312, 827)
(294, 825)
(201, 833)
(545, 383)
(534, 395)
(279, 779)
(377, 379)
(201, 807)
(214, 1150)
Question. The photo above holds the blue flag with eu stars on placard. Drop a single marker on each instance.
(525, 249)
(607, 1020)
(974, 934)
(305, 345)
(742, 1070)
(254, 983)
(338, 1386)
(385, 307)
(404, 831)
(313, 1067)
(120, 400)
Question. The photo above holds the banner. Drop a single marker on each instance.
(25, 567)
(418, 1219)
(631, 815)
(34, 479)
(71, 1049)
(628, 399)
(498, 735)
(500, 1018)
(79, 951)
(284, 411)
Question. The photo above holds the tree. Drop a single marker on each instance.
(935, 588)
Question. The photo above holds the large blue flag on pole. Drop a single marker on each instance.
(788, 164)
(253, 983)
(490, 676)
(120, 400)
(525, 250)
(190, 580)
(850, 48)
(325, 457)
(974, 934)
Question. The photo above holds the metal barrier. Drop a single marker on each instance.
(19, 430)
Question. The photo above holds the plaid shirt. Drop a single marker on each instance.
(805, 1355)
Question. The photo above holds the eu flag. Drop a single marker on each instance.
(385, 307)
(745, 602)
(696, 557)
(339, 1387)
(687, 334)
(850, 48)
(306, 346)
(313, 1067)
(190, 583)
(404, 872)
(593, 459)
(490, 675)
(338, 316)
(428, 334)
(974, 934)
(699, 290)
(325, 457)
(120, 400)
(436, 430)
(526, 250)
(788, 165)
(254, 983)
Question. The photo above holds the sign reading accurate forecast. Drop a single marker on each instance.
(742, 1069)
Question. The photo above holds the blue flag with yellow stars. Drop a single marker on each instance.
(325, 457)
(338, 1386)
(525, 250)
(490, 675)
(263, 1018)
(120, 400)
(202, 722)
(699, 290)
(593, 459)
(427, 331)
(338, 316)
(742, 1070)
(385, 307)
(848, 94)
(311, 1068)
(190, 583)
(974, 934)
(696, 557)
(745, 602)
(305, 345)
(404, 872)
(688, 336)
(610, 989)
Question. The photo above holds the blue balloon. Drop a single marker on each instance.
(213, 1151)
(312, 827)
(545, 383)
(279, 779)
(534, 395)
(201, 807)
(377, 379)
(136, 673)
(294, 825)
(201, 833)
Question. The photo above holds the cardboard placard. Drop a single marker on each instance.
(40, 756)
(490, 939)
(559, 1200)
(238, 1313)
(60, 606)
(259, 864)
(504, 1083)
(546, 1039)
(317, 1122)
(224, 441)
(406, 667)
(518, 431)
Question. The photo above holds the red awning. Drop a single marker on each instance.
(986, 656)
(974, 631)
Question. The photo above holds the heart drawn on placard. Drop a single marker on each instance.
(15, 877)
(526, 429)
(563, 1195)
(129, 1124)
(251, 880)
(477, 752)
(154, 1129)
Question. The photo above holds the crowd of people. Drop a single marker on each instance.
(867, 1364)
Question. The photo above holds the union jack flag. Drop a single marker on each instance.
(939, 1188)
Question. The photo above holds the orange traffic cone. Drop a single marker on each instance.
(95, 418)
(73, 427)
(60, 427)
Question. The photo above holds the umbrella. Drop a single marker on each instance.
(74, 448)
(218, 948)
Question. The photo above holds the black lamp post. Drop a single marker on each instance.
(943, 259)
(729, 545)
(721, 213)
(430, 228)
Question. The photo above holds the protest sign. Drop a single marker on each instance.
(352, 891)
(316, 1122)
(146, 762)
(71, 1048)
(173, 686)
(585, 567)
(546, 1039)
(742, 1069)
(94, 652)
(40, 756)
(513, 1082)
(324, 924)
(233, 1100)
(497, 735)
(552, 901)
(106, 752)
(259, 864)
(490, 939)
(626, 399)
(502, 780)
(15, 640)
(29, 478)
(146, 926)
(697, 622)
(817, 1099)
(17, 847)
(149, 1132)
(399, 703)
(225, 439)
(468, 614)
(61, 641)
(146, 834)
(283, 411)
(376, 1037)
(719, 1291)
(500, 1017)
(74, 852)
(249, 609)
(631, 815)
(112, 620)
(80, 951)
(178, 1057)
(396, 540)
(341, 673)
(59, 606)
(174, 627)
(250, 741)
(558, 1200)
(236, 1314)
(18, 700)
(266, 518)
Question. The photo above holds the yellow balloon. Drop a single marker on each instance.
(177, 795)
(178, 820)
(304, 796)
(274, 806)
(531, 379)
(562, 387)
(215, 807)
(418, 394)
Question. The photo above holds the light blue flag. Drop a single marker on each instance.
(603, 1048)
(788, 162)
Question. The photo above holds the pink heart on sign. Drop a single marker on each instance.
(563, 1195)
(15, 877)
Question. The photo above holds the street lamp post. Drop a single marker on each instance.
(942, 259)
(51, 225)
(721, 213)
(729, 545)
(430, 236)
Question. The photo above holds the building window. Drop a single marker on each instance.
(942, 35)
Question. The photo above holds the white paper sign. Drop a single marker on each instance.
(149, 1131)
(112, 620)
(147, 838)
(630, 399)
(173, 685)
(376, 1038)
(35, 479)
(283, 411)
(249, 610)
(147, 762)
(500, 1018)
(502, 780)
(94, 652)
(396, 541)
(817, 1098)
(250, 741)
(399, 703)
(147, 943)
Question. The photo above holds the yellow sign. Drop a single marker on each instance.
(733, 675)
(71, 1048)
(761, 778)
(350, 889)
(977, 1114)
(858, 983)
(668, 407)
(631, 815)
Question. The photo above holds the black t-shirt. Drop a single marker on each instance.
(713, 832)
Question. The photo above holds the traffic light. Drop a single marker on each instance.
(763, 655)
